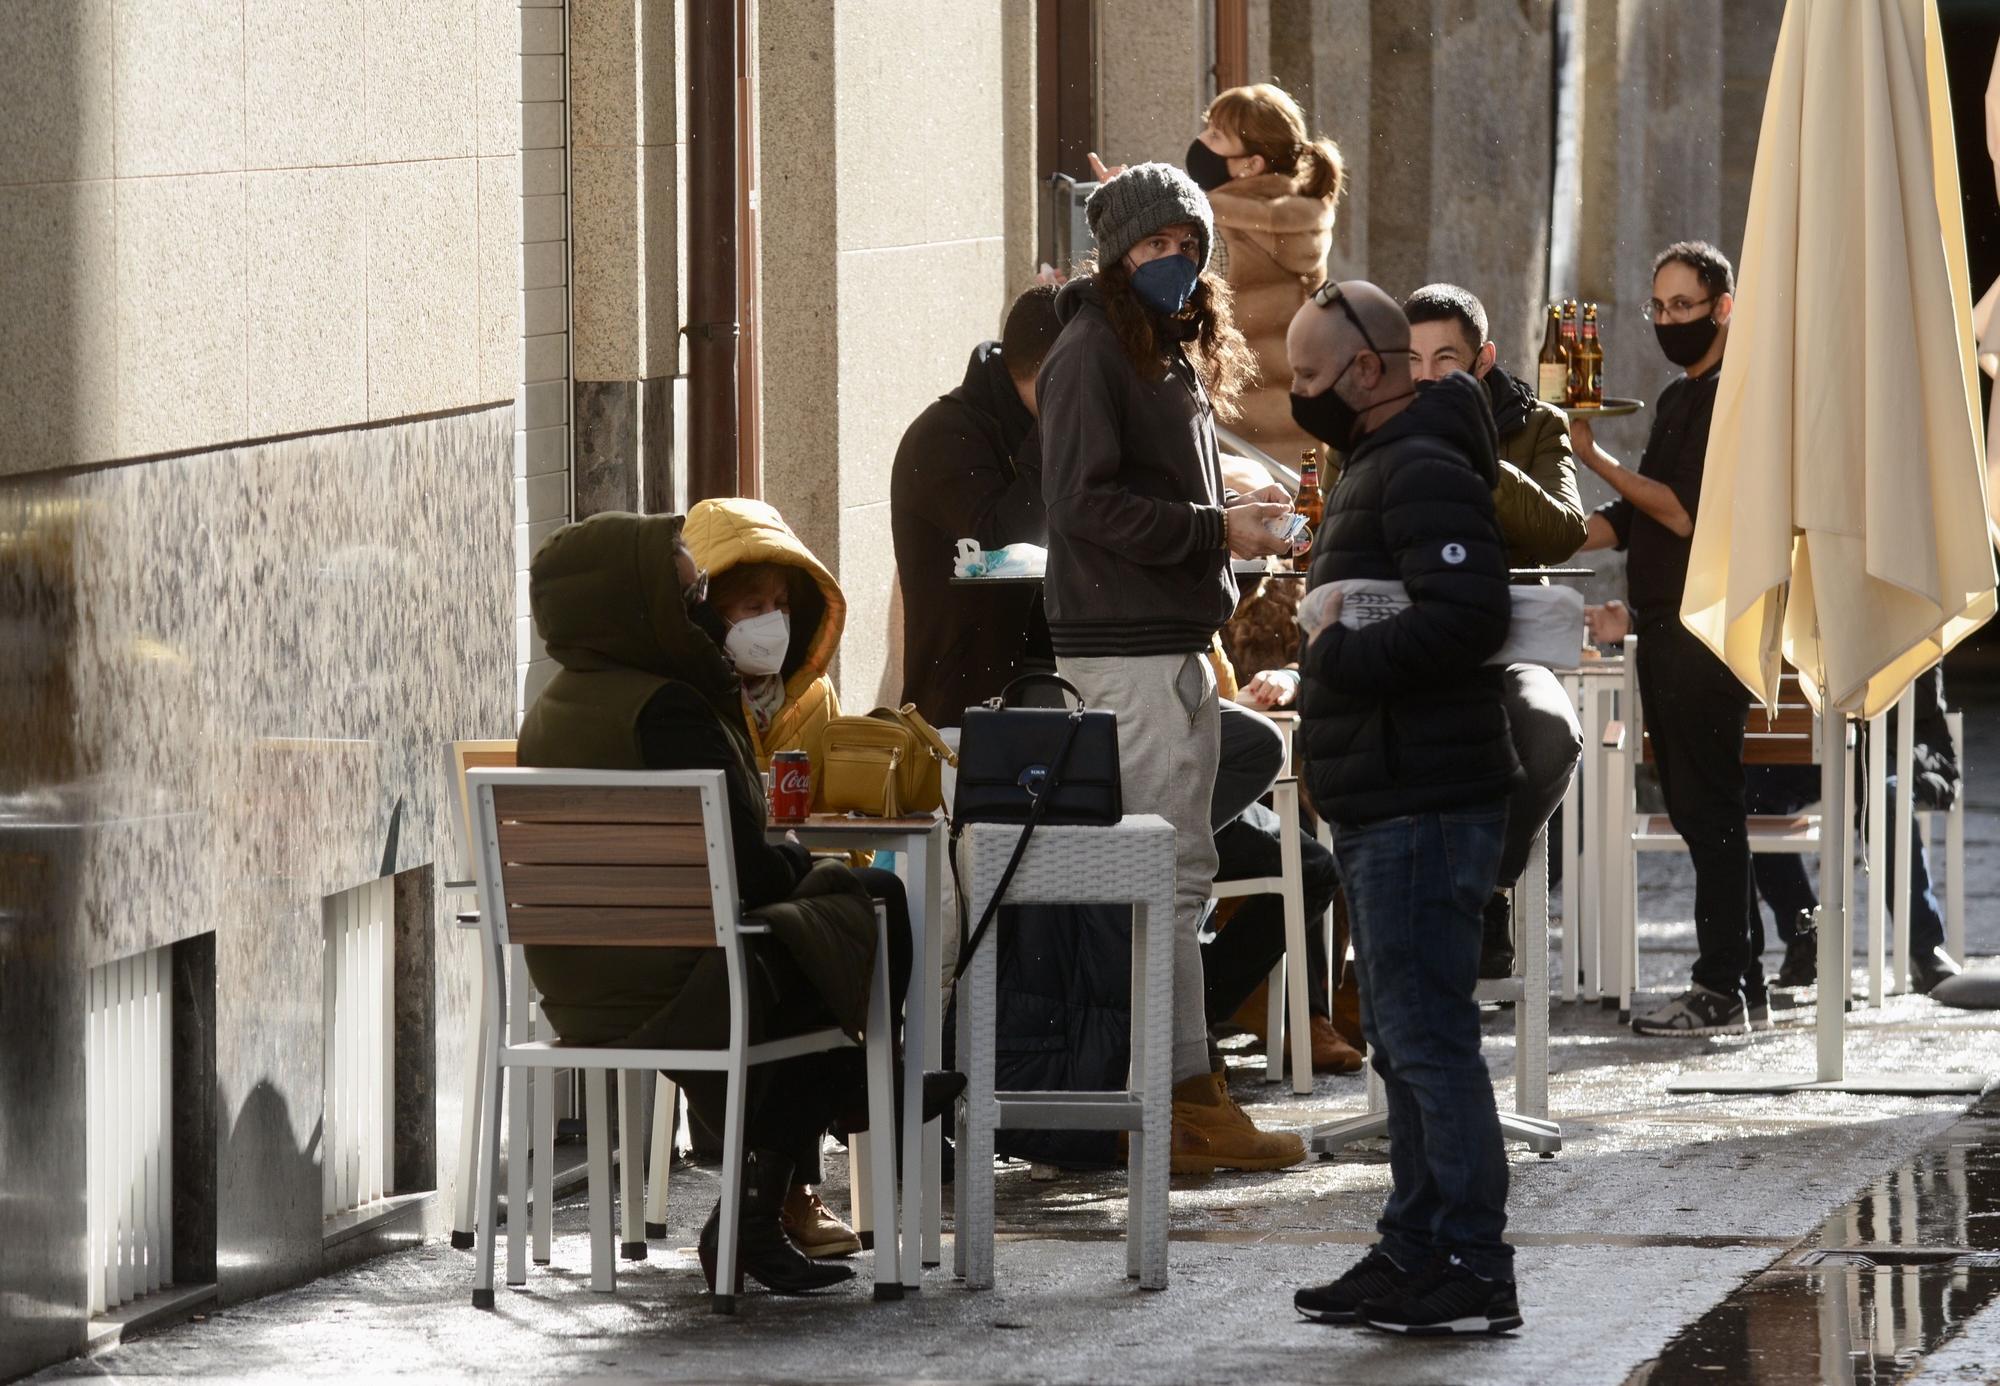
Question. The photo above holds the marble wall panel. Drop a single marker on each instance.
(421, 80)
(182, 310)
(306, 94)
(180, 87)
(231, 667)
(917, 76)
(308, 298)
(55, 92)
(59, 390)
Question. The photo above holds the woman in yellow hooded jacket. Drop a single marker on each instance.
(781, 616)
(777, 613)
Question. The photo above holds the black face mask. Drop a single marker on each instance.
(1208, 168)
(1685, 343)
(1326, 416)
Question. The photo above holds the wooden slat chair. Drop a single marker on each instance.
(540, 1123)
(583, 858)
(1789, 738)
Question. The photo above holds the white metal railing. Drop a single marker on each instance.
(357, 1160)
(127, 1150)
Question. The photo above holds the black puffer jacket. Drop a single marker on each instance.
(1403, 716)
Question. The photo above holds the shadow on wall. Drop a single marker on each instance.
(286, 1175)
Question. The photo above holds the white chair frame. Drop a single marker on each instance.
(596, 921)
(1633, 833)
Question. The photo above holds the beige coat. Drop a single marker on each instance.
(1275, 241)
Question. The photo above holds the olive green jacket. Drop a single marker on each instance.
(1540, 509)
(642, 687)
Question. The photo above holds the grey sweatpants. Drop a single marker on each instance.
(1169, 736)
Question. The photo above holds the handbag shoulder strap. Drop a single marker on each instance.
(926, 734)
(986, 917)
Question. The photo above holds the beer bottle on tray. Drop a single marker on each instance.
(1591, 391)
(1552, 367)
(1572, 352)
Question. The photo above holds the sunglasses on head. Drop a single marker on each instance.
(1329, 294)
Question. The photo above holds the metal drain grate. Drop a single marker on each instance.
(1887, 1257)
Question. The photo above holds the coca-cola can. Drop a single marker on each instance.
(791, 786)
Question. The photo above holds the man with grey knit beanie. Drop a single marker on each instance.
(1140, 536)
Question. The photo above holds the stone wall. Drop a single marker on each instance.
(887, 129)
(235, 219)
(229, 675)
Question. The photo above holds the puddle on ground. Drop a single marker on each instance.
(1886, 1280)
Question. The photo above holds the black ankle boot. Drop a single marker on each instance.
(1496, 940)
(764, 1252)
(1801, 965)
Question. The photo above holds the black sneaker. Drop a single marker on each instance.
(1696, 1011)
(1496, 939)
(1449, 1301)
(1374, 1276)
(1801, 966)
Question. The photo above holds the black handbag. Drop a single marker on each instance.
(1031, 765)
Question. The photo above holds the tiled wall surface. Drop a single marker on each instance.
(317, 254)
(237, 219)
(539, 193)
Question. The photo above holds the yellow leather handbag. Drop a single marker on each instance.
(888, 764)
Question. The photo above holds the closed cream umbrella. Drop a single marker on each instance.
(1843, 522)
(1843, 516)
(1985, 320)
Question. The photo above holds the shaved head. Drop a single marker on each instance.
(1358, 343)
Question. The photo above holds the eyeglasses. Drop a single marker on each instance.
(1653, 309)
(696, 592)
(1328, 294)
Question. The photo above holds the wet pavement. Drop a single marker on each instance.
(1676, 1238)
(1886, 1281)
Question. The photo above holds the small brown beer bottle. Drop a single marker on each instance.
(1591, 352)
(1552, 367)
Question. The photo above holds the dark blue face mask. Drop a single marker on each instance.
(1165, 284)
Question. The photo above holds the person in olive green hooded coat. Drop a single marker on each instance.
(644, 686)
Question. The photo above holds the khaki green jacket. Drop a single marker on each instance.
(1541, 511)
(643, 688)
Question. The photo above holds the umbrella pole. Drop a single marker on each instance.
(1834, 946)
(1903, 826)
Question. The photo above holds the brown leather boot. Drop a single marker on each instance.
(1211, 1132)
(1331, 1053)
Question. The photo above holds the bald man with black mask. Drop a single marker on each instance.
(1408, 756)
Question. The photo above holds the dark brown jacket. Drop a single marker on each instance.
(1134, 490)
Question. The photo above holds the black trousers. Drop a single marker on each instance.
(1695, 712)
(789, 1104)
(1781, 876)
(1244, 951)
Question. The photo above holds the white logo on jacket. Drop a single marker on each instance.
(1454, 554)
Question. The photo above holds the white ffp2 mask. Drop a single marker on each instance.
(758, 645)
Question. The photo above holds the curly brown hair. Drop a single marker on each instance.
(1221, 357)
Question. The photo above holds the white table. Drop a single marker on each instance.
(919, 842)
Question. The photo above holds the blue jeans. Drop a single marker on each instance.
(1416, 887)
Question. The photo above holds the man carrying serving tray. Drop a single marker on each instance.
(1695, 707)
